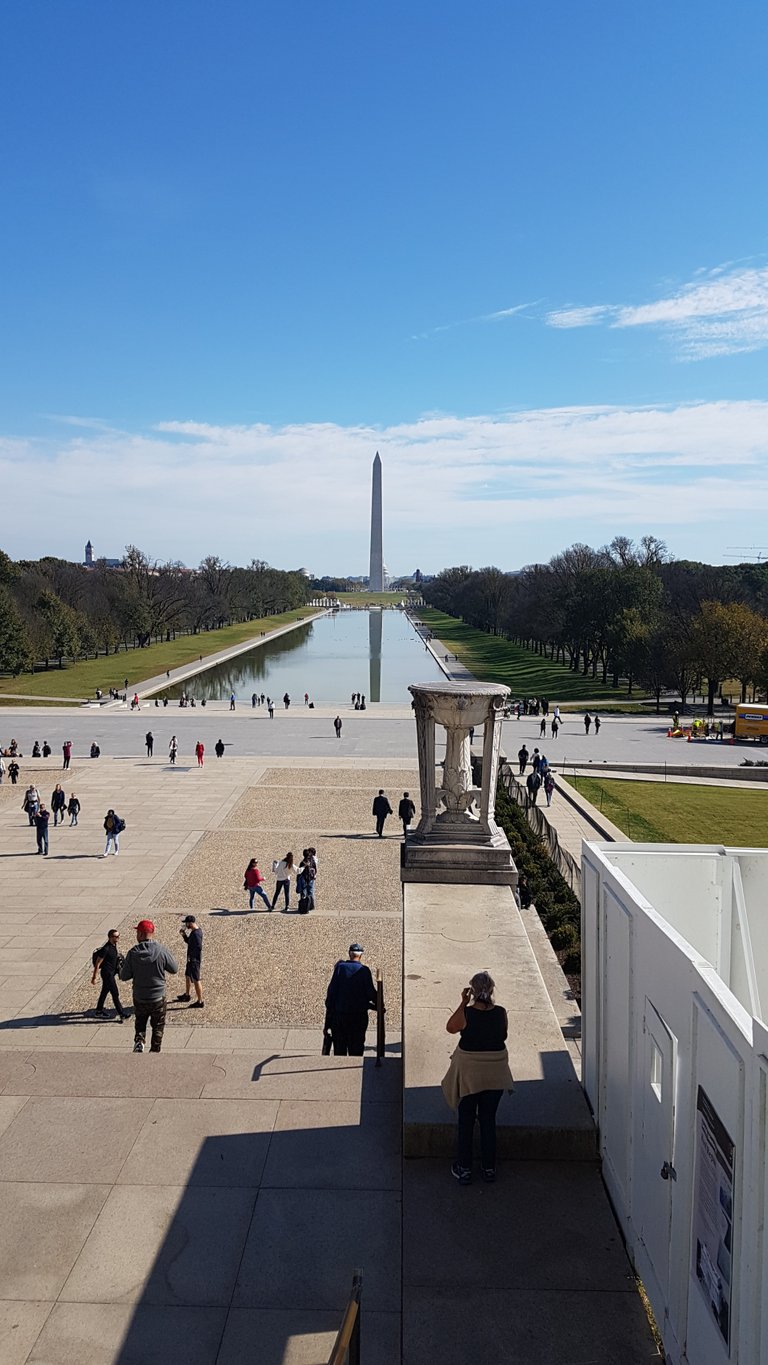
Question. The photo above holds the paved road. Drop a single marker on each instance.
(626, 740)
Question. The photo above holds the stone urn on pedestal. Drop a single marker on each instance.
(457, 838)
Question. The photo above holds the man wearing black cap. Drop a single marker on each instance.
(350, 995)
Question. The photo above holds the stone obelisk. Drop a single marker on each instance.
(376, 574)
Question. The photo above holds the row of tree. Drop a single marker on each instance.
(51, 609)
(626, 610)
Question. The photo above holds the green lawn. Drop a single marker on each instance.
(492, 659)
(81, 679)
(678, 813)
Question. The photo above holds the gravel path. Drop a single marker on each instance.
(332, 810)
(368, 778)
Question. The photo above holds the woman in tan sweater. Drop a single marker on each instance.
(478, 1075)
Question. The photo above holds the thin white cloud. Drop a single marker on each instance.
(509, 487)
(496, 316)
(723, 311)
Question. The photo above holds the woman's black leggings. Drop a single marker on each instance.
(481, 1106)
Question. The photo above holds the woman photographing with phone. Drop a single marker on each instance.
(478, 1074)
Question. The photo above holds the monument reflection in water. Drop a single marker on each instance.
(377, 653)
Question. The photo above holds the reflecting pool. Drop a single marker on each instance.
(376, 653)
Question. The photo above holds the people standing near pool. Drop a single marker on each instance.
(587, 722)
(253, 883)
(597, 724)
(283, 869)
(270, 708)
(219, 748)
(286, 700)
(254, 700)
(200, 753)
(66, 750)
(232, 701)
(193, 937)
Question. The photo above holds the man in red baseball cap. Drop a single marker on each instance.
(146, 966)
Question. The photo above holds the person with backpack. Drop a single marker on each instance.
(305, 881)
(253, 884)
(58, 802)
(549, 785)
(113, 827)
(533, 783)
(73, 810)
(109, 961)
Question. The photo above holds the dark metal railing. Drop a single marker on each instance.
(346, 1348)
(380, 1012)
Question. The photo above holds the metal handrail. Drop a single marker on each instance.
(348, 1336)
(380, 1034)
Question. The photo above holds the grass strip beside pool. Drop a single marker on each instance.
(680, 813)
(80, 680)
(493, 659)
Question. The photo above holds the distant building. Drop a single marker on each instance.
(90, 562)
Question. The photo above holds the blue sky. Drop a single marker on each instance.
(520, 249)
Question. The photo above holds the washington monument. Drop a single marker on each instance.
(376, 575)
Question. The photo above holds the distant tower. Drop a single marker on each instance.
(376, 575)
(89, 556)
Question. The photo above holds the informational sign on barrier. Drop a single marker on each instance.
(713, 1213)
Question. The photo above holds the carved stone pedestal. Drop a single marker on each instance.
(457, 838)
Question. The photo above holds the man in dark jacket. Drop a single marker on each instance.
(381, 809)
(405, 813)
(146, 965)
(533, 783)
(193, 937)
(350, 995)
(109, 960)
(41, 828)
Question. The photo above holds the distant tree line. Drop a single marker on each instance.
(626, 610)
(52, 610)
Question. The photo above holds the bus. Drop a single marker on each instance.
(752, 722)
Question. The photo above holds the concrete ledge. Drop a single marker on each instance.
(726, 772)
(452, 931)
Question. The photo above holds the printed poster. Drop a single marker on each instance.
(713, 1213)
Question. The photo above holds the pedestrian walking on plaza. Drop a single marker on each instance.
(200, 753)
(587, 722)
(2, 770)
(543, 726)
(350, 995)
(219, 748)
(149, 740)
(381, 809)
(31, 803)
(193, 937)
(478, 1074)
(254, 700)
(73, 810)
(146, 966)
(58, 802)
(113, 828)
(66, 750)
(533, 782)
(173, 749)
(253, 884)
(13, 771)
(41, 827)
(286, 701)
(337, 727)
(270, 708)
(598, 723)
(555, 727)
(305, 881)
(232, 700)
(536, 761)
(549, 786)
(306, 699)
(522, 758)
(108, 960)
(283, 869)
(405, 812)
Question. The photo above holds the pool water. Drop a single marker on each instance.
(377, 653)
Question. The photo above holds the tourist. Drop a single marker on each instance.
(193, 937)
(587, 722)
(555, 727)
(549, 785)
(46, 749)
(306, 699)
(95, 752)
(36, 749)
(536, 761)
(522, 758)
(173, 749)
(13, 771)
(270, 708)
(73, 810)
(523, 891)
(146, 965)
(381, 809)
(598, 723)
(543, 726)
(149, 740)
(283, 869)
(200, 753)
(556, 715)
(533, 782)
(286, 700)
(253, 884)
(305, 881)
(478, 1074)
(108, 960)
(58, 802)
(218, 748)
(31, 803)
(350, 995)
(232, 700)
(41, 827)
(113, 828)
(254, 700)
(405, 812)
(337, 727)
(2, 769)
(66, 750)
